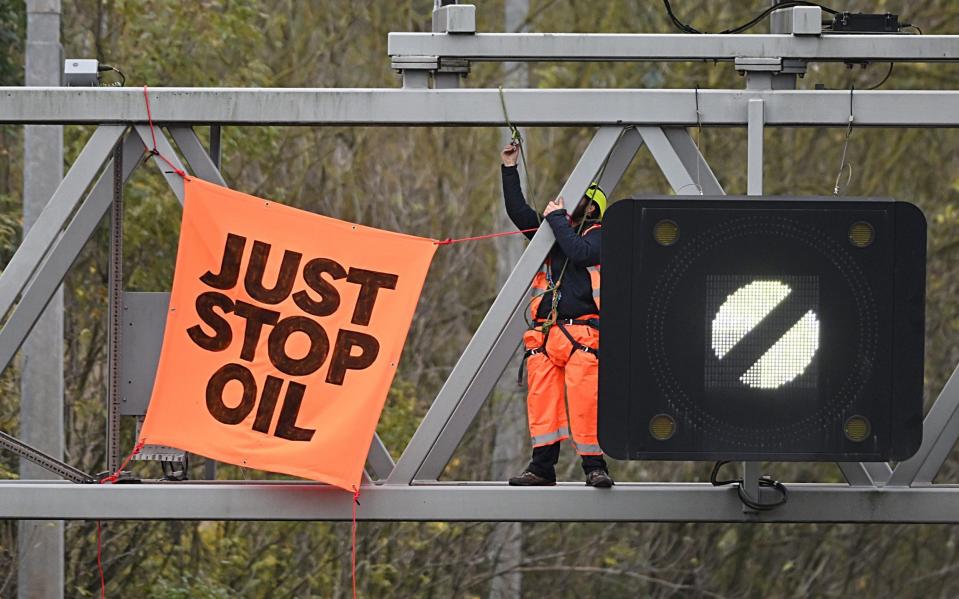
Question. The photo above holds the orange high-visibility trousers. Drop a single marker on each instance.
(549, 366)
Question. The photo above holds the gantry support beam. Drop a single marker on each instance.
(56, 214)
(51, 246)
(475, 502)
(637, 47)
(476, 107)
(939, 432)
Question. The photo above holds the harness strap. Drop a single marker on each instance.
(590, 322)
(526, 354)
(576, 344)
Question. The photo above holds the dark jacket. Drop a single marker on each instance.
(576, 292)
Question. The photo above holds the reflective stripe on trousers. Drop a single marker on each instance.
(587, 449)
(549, 438)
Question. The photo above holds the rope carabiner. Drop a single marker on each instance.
(517, 139)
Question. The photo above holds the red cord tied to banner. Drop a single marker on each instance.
(103, 582)
(449, 241)
(111, 479)
(154, 151)
(116, 475)
(356, 502)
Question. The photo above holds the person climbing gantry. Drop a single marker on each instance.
(562, 343)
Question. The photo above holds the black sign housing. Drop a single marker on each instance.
(762, 329)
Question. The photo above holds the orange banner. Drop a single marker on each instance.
(283, 335)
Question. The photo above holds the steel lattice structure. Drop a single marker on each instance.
(626, 120)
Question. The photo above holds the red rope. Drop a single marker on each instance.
(154, 151)
(449, 241)
(103, 583)
(111, 479)
(116, 475)
(356, 502)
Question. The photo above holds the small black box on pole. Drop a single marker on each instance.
(762, 329)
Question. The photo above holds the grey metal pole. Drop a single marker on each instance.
(115, 328)
(754, 187)
(40, 543)
(509, 442)
(215, 134)
(754, 148)
(209, 467)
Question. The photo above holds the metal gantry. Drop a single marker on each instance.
(626, 120)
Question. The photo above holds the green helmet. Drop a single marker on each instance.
(596, 194)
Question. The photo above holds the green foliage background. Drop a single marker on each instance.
(445, 182)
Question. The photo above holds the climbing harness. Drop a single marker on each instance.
(576, 345)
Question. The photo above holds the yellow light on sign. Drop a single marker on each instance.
(858, 429)
(662, 427)
(861, 234)
(666, 232)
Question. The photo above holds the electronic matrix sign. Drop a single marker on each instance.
(762, 329)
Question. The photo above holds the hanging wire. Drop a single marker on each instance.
(699, 142)
(750, 502)
(685, 28)
(698, 184)
(884, 79)
(106, 67)
(845, 147)
(517, 140)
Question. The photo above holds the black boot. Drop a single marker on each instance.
(541, 471)
(596, 471)
(529, 479)
(599, 478)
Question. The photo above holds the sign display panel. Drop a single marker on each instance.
(762, 329)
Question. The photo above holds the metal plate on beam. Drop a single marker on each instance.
(144, 317)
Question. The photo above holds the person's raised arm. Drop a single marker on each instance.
(517, 209)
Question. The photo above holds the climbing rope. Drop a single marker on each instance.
(517, 139)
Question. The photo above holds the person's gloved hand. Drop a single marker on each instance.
(510, 154)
